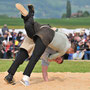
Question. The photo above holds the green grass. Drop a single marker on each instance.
(60, 23)
(67, 66)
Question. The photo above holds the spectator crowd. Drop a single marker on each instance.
(11, 41)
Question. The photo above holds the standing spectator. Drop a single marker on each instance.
(5, 29)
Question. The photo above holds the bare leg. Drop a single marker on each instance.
(44, 72)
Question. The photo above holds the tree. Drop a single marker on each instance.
(68, 9)
(86, 14)
(79, 13)
(64, 15)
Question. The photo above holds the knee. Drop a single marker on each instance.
(22, 55)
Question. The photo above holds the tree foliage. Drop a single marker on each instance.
(68, 9)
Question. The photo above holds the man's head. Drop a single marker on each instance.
(13, 30)
(5, 25)
(58, 60)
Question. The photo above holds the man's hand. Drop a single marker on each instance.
(58, 60)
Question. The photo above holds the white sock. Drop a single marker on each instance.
(26, 78)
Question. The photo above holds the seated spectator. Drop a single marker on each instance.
(5, 37)
(1, 46)
(87, 51)
(80, 51)
(83, 34)
(4, 47)
(70, 37)
(9, 36)
(19, 38)
(1, 50)
(13, 33)
(11, 41)
(9, 49)
(70, 53)
(1, 38)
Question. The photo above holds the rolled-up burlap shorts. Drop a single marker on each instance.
(28, 44)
